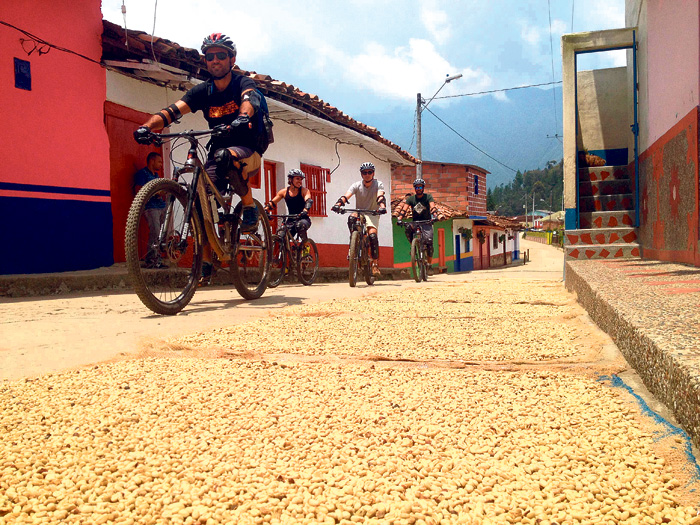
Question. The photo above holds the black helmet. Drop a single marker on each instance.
(219, 40)
(294, 172)
(367, 166)
(419, 182)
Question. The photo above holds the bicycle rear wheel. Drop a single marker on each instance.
(279, 262)
(250, 265)
(416, 264)
(307, 265)
(164, 274)
(354, 258)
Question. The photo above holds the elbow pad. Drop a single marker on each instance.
(254, 98)
(308, 204)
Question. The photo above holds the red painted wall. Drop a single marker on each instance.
(55, 178)
(56, 129)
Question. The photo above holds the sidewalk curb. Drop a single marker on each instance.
(660, 369)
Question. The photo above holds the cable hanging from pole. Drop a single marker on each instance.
(498, 90)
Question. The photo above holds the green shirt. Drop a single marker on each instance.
(420, 207)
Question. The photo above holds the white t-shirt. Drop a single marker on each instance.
(366, 197)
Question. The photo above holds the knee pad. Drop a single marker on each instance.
(351, 223)
(429, 249)
(226, 171)
(374, 245)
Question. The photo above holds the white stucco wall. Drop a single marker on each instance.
(293, 146)
(603, 109)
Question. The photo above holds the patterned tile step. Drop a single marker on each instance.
(600, 236)
(606, 219)
(605, 187)
(607, 203)
(603, 173)
(602, 251)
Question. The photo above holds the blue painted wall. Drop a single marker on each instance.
(44, 235)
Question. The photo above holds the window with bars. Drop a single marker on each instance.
(316, 178)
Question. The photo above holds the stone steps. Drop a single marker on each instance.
(600, 236)
(606, 216)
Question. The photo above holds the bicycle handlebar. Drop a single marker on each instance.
(355, 210)
(281, 216)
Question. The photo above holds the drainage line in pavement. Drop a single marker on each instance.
(617, 381)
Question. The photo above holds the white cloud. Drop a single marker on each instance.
(529, 33)
(436, 21)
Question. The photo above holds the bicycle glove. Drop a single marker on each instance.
(381, 211)
(335, 208)
(241, 120)
(143, 135)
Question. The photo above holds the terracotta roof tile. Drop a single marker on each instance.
(171, 53)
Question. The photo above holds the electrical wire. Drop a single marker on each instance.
(551, 52)
(469, 142)
(573, 3)
(126, 31)
(153, 32)
(498, 90)
(413, 136)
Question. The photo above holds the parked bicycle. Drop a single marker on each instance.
(419, 257)
(359, 253)
(196, 213)
(291, 253)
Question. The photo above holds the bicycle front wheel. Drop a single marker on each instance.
(367, 265)
(250, 265)
(163, 249)
(279, 262)
(416, 263)
(354, 258)
(307, 265)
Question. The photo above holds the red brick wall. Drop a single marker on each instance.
(451, 184)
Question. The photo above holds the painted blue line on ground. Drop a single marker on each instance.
(617, 382)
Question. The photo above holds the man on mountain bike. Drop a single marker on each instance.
(298, 200)
(225, 99)
(423, 208)
(369, 195)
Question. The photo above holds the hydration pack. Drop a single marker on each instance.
(263, 126)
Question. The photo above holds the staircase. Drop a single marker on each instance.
(606, 218)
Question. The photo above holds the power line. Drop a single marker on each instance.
(468, 141)
(551, 52)
(498, 90)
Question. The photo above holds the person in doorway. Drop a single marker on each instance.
(227, 101)
(422, 208)
(369, 195)
(298, 201)
(155, 207)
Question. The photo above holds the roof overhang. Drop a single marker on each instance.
(336, 132)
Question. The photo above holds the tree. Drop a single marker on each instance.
(490, 202)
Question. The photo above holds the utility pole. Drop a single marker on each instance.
(419, 153)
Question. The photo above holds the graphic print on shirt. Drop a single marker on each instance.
(419, 208)
(220, 111)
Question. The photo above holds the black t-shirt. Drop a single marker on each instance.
(222, 107)
(420, 207)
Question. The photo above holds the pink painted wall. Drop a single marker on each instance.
(55, 131)
(673, 63)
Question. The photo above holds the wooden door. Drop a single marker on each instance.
(270, 181)
(126, 157)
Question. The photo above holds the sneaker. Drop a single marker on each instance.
(375, 268)
(205, 279)
(249, 221)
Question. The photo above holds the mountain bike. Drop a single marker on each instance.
(196, 214)
(359, 247)
(290, 253)
(419, 257)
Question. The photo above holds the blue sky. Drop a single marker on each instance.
(368, 56)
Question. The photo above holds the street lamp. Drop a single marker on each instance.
(419, 109)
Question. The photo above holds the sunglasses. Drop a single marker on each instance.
(221, 55)
(368, 172)
(419, 187)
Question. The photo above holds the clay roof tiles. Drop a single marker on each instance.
(119, 44)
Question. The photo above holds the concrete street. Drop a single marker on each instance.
(487, 397)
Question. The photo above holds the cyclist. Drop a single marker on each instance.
(298, 200)
(423, 208)
(224, 99)
(369, 195)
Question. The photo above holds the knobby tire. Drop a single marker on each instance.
(279, 262)
(307, 263)
(416, 263)
(250, 270)
(354, 258)
(170, 288)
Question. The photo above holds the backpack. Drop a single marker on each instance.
(263, 126)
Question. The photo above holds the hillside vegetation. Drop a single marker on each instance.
(546, 184)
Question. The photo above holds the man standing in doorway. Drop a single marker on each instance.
(155, 208)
